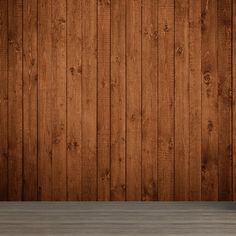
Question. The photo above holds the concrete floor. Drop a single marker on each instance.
(118, 218)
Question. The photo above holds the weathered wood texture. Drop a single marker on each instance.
(117, 100)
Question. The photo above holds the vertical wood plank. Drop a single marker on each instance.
(59, 182)
(234, 98)
(15, 113)
(195, 100)
(149, 98)
(224, 62)
(118, 100)
(89, 100)
(74, 71)
(44, 100)
(209, 101)
(30, 78)
(166, 100)
(104, 100)
(133, 64)
(181, 100)
(3, 100)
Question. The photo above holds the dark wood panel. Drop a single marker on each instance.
(234, 98)
(44, 101)
(195, 102)
(166, 108)
(15, 100)
(58, 16)
(133, 102)
(117, 100)
(182, 100)
(89, 100)
(149, 99)
(3, 100)
(209, 101)
(224, 62)
(104, 102)
(74, 99)
(30, 99)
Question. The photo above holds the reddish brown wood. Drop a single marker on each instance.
(3, 100)
(15, 100)
(117, 100)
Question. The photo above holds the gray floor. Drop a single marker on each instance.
(123, 218)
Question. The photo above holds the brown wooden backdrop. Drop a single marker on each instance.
(117, 100)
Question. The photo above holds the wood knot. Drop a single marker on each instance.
(72, 145)
(203, 17)
(104, 2)
(72, 70)
(61, 20)
(171, 144)
(123, 187)
(133, 117)
(180, 51)
(35, 77)
(32, 62)
(14, 44)
(118, 60)
(207, 78)
(166, 28)
(5, 155)
(203, 169)
(210, 126)
(154, 35)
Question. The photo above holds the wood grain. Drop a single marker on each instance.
(133, 102)
(15, 100)
(44, 101)
(209, 101)
(30, 100)
(234, 97)
(166, 108)
(195, 101)
(104, 92)
(116, 100)
(89, 100)
(74, 99)
(149, 99)
(181, 100)
(224, 62)
(3, 100)
(58, 16)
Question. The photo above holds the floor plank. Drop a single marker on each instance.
(113, 218)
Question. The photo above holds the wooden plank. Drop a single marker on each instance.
(44, 101)
(133, 114)
(181, 100)
(3, 100)
(224, 62)
(166, 100)
(234, 98)
(118, 101)
(149, 99)
(15, 113)
(30, 78)
(74, 71)
(209, 101)
(104, 65)
(59, 100)
(195, 100)
(89, 100)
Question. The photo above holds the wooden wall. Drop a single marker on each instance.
(117, 100)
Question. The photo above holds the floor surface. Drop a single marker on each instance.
(118, 218)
